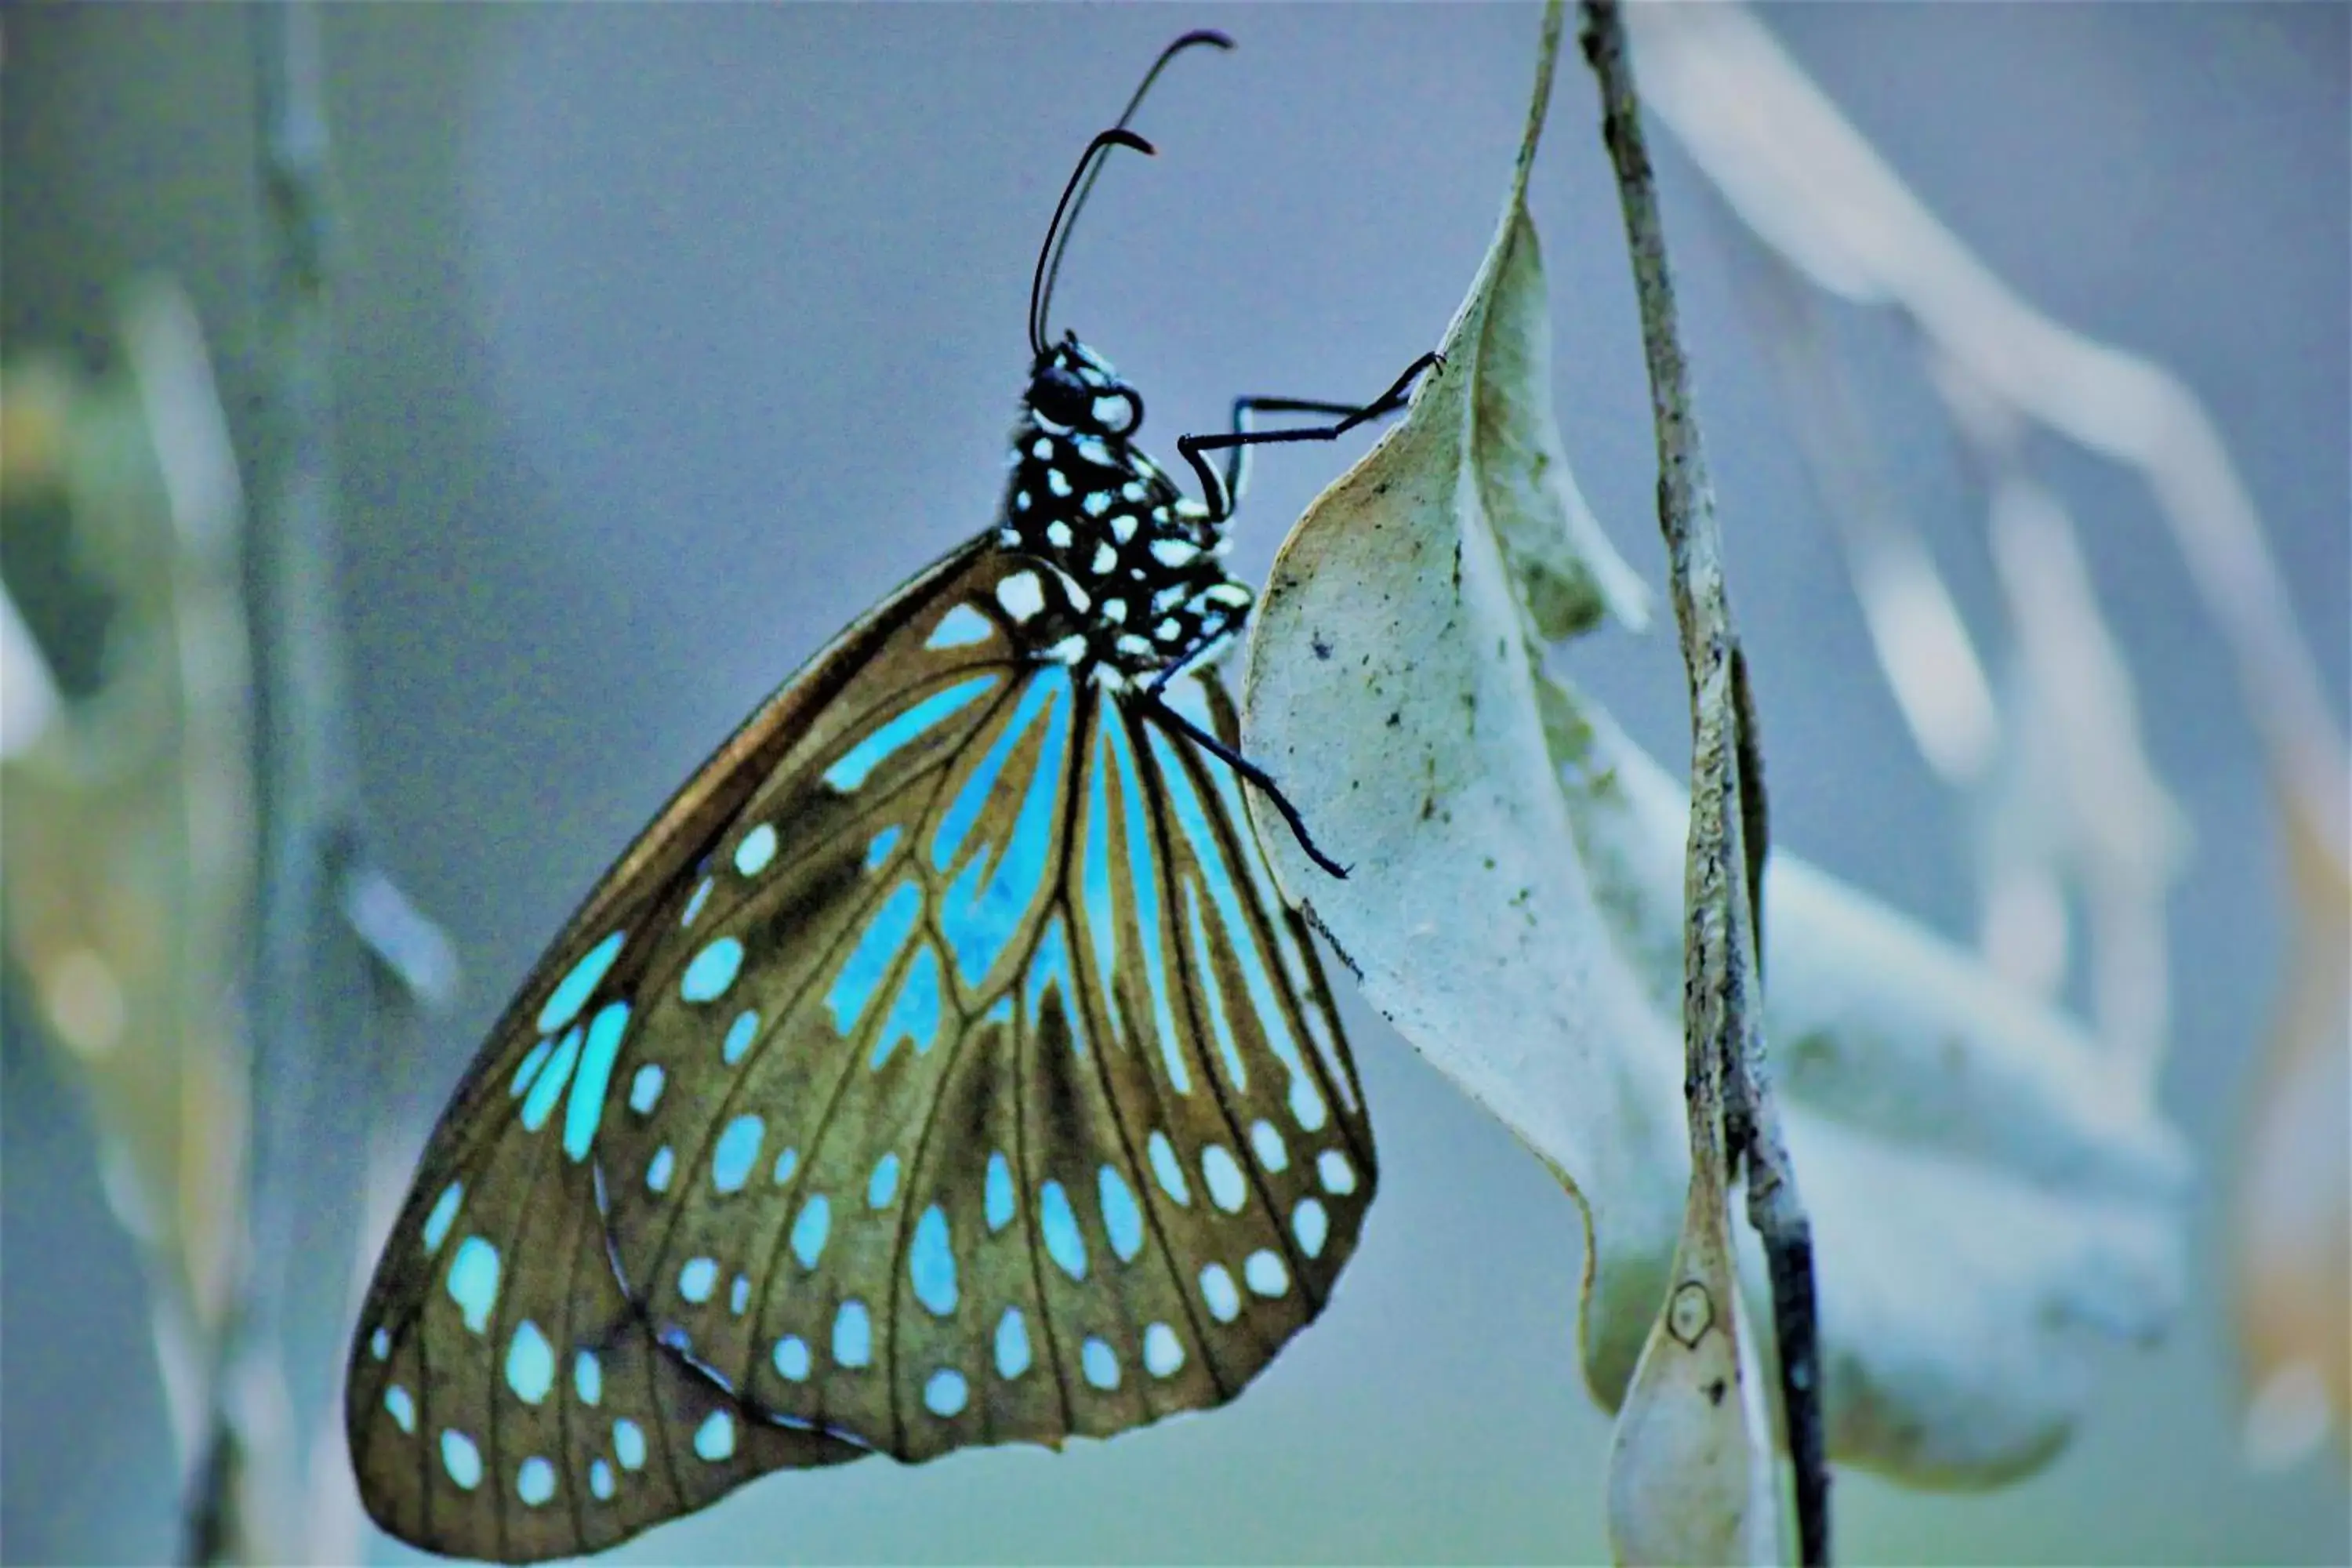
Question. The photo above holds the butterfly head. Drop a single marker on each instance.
(1073, 391)
(1138, 581)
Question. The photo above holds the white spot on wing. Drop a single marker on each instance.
(961, 628)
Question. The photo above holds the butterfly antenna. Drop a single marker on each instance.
(1039, 292)
(1082, 183)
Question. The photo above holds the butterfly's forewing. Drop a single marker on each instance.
(469, 1406)
(940, 1069)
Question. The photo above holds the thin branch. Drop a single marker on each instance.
(303, 775)
(338, 942)
(1722, 999)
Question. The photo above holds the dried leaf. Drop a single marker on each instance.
(1986, 1199)
(128, 833)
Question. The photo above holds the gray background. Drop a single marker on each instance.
(672, 337)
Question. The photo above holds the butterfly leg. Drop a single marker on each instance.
(1223, 490)
(1160, 710)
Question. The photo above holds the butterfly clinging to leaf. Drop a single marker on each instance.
(941, 1068)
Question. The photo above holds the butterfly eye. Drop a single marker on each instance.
(1062, 398)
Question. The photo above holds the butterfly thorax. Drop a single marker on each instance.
(1138, 583)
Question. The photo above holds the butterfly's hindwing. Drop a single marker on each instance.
(1020, 1199)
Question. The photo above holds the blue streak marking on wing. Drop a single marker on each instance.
(736, 1150)
(1012, 1344)
(738, 1036)
(915, 1012)
(629, 1444)
(1043, 686)
(758, 848)
(1000, 1192)
(945, 1395)
(474, 1282)
(883, 1184)
(530, 1065)
(855, 766)
(403, 1406)
(461, 1458)
(1063, 1243)
(1221, 1023)
(809, 1230)
(961, 628)
(1050, 965)
(1121, 1219)
(1240, 939)
(1287, 942)
(571, 992)
(552, 1079)
(879, 850)
(981, 910)
(930, 1263)
(586, 1107)
(1143, 892)
(712, 970)
(530, 1363)
(853, 1335)
(1101, 915)
(886, 933)
(714, 1440)
(445, 1213)
(1169, 1170)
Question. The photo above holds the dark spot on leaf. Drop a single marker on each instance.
(1395, 718)
(1322, 650)
(1715, 1392)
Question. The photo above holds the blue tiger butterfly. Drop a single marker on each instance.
(940, 1067)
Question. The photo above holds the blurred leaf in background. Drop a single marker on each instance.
(127, 844)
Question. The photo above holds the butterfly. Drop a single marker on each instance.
(941, 1068)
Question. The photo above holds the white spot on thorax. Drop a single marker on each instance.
(1021, 594)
